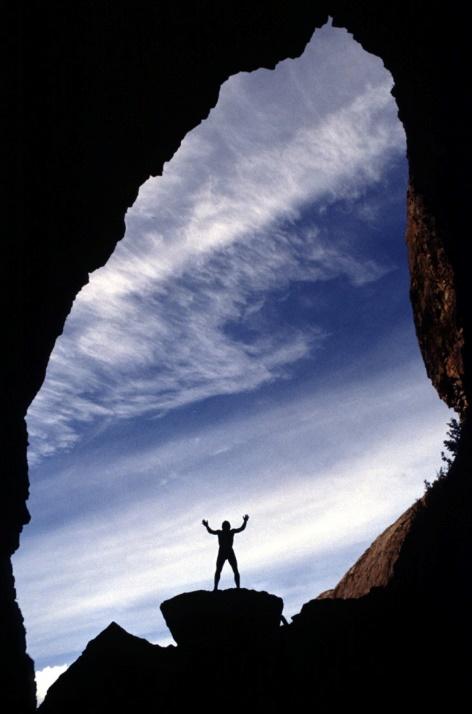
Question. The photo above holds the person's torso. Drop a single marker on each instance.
(225, 539)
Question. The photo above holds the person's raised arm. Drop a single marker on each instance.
(210, 530)
(241, 528)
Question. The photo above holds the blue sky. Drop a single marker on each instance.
(249, 347)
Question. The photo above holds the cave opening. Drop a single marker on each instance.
(248, 348)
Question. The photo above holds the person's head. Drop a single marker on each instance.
(226, 525)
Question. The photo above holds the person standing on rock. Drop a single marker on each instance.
(225, 551)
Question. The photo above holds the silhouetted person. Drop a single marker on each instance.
(226, 552)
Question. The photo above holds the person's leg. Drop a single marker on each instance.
(234, 564)
(219, 565)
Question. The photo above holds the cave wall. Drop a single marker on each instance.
(426, 552)
(99, 96)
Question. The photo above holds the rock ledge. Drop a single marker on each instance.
(225, 616)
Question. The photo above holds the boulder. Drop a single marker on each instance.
(225, 616)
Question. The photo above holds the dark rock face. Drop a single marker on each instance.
(116, 672)
(229, 651)
(402, 613)
(225, 616)
(100, 95)
(349, 651)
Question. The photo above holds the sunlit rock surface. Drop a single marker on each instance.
(375, 567)
(424, 552)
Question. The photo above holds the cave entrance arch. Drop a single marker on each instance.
(428, 236)
(213, 297)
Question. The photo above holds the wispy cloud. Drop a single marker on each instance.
(179, 314)
(319, 484)
(207, 241)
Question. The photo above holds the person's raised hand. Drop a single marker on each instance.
(246, 517)
(205, 523)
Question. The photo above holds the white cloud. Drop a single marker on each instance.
(319, 483)
(209, 238)
(45, 677)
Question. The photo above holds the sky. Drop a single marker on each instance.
(248, 348)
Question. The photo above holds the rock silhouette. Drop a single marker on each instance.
(236, 616)
(116, 672)
(351, 650)
(228, 646)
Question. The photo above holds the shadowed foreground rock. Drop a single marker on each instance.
(399, 623)
(401, 629)
(228, 648)
(222, 617)
(116, 672)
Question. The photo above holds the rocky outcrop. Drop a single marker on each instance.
(375, 567)
(100, 95)
(433, 296)
(229, 650)
(348, 651)
(117, 672)
(225, 616)
(420, 555)
(434, 111)
(402, 613)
